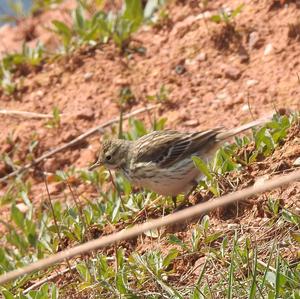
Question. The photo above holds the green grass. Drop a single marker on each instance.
(23, 62)
(266, 139)
(238, 261)
(227, 17)
(103, 26)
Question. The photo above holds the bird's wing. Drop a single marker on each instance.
(167, 147)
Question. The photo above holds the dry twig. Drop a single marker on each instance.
(25, 114)
(47, 279)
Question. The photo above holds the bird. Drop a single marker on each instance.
(161, 161)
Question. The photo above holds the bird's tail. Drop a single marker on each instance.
(232, 132)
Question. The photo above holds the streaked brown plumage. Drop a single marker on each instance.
(161, 160)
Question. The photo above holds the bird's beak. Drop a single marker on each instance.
(95, 165)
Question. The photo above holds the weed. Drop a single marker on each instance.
(126, 97)
(6, 81)
(158, 16)
(102, 26)
(161, 96)
(32, 148)
(48, 290)
(227, 16)
(19, 62)
(54, 122)
(30, 57)
(92, 5)
(151, 7)
(202, 236)
(227, 35)
(227, 159)
(126, 22)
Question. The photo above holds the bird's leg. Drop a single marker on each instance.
(194, 186)
(186, 197)
(174, 199)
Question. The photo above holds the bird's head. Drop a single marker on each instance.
(112, 154)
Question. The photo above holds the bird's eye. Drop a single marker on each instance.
(108, 157)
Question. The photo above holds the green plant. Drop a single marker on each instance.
(202, 236)
(126, 96)
(101, 26)
(211, 180)
(82, 30)
(27, 57)
(156, 13)
(6, 81)
(151, 7)
(266, 139)
(92, 5)
(126, 22)
(54, 122)
(65, 34)
(47, 290)
(226, 16)
(161, 96)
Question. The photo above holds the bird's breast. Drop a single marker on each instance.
(165, 181)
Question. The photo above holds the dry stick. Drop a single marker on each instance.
(47, 279)
(74, 141)
(25, 114)
(137, 230)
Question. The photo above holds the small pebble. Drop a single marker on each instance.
(253, 40)
(222, 96)
(88, 76)
(232, 73)
(250, 83)
(86, 113)
(268, 49)
(190, 62)
(233, 225)
(40, 93)
(297, 162)
(120, 81)
(201, 57)
(191, 123)
(205, 15)
(245, 108)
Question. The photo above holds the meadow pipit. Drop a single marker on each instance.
(161, 160)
